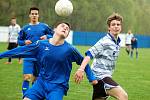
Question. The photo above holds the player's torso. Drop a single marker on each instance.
(104, 64)
(13, 33)
(54, 54)
(128, 38)
(34, 32)
(55, 62)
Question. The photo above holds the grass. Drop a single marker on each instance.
(131, 74)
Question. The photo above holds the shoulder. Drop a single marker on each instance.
(42, 41)
(44, 24)
(25, 27)
(70, 46)
(104, 40)
(17, 25)
(10, 26)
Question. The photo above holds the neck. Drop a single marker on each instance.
(114, 35)
(34, 22)
(56, 41)
(13, 24)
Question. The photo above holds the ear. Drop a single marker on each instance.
(108, 29)
(29, 15)
(54, 29)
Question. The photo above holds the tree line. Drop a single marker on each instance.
(88, 15)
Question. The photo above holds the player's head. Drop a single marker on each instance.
(129, 31)
(13, 21)
(62, 29)
(114, 23)
(34, 14)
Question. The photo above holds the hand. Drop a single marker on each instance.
(79, 76)
(27, 42)
(94, 82)
(44, 37)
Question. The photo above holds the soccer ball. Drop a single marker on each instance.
(63, 8)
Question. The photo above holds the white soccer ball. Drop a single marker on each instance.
(64, 8)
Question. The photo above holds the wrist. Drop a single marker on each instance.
(81, 69)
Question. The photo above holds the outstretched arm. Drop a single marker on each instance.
(22, 51)
(78, 58)
(85, 67)
(48, 33)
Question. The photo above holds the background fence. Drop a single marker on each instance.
(88, 38)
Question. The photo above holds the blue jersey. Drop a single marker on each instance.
(33, 33)
(55, 61)
(134, 43)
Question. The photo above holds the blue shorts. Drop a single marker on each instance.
(44, 90)
(31, 67)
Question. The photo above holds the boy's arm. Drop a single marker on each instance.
(85, 67)
(21, 38)
(48, 33)
(22, 51)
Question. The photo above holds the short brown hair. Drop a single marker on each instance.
(33, 8)
(114, 16)
(13, 17)
(57, 23)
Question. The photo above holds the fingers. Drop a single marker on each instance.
(94, 82)
(43, 37)
(27, 42)
(78, 76)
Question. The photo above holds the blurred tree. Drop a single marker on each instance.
(88, 15)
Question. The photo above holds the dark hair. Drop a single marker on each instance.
(57, 23)
(33, 8)
(13, 17)
(114, 16)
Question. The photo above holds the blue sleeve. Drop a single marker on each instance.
(78, 58)
(21, 38)
(27, 51)
(89, 74)
(88, 53)
(49, 32)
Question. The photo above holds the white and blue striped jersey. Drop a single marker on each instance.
(105, 53)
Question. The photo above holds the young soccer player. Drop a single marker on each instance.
(105, 53)
(14, 29)
(29, 34)
(134, 45)
(128, 38)
(55, 57)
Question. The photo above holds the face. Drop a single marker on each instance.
(34, 16)
(115, 27)
(62, 30)
(13, 21)
(129, 32)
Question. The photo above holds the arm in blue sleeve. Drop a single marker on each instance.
(88, 53)
(21, 38)
(78, 59)
(28, 51)
(49, 36)
(89, 74)
(49, 32)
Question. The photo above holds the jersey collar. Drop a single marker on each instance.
(113, 39)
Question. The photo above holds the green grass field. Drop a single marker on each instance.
(132, 74)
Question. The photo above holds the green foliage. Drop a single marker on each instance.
(131, 74)
(88, 15)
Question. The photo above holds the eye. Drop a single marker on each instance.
(118, 24)
(113, 24)
(34, 13)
